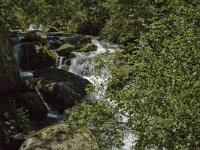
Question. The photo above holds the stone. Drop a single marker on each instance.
(88, 48)
(65, 50)
(54, 44)
(60, 88)
(58, 137)
(34, 57)
(65, 67)
(35, 36)
(76, 39)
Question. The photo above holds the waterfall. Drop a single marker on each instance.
(59, 61)
(33, 27)
(41, 97)
(17, 51)
(53, 114)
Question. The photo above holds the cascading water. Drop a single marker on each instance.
(33, 27)
(17, 51)
(59, 61)
(83, 65)
(53, 114)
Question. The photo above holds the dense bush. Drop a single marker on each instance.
(160, 87)
(101, 119)
(13, 120)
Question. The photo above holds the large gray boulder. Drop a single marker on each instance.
(57, 138)
(60, 88)
(65, 50)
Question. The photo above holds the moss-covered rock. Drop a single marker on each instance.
(50, 54)
(65, 50)
(35, 36)
(65, 67)
(58, 137)
(87, 48)
(35, 57)
(60, 88)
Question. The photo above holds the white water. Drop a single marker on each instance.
(84, 65)
(17, 54)
(59, 61)
(33, 27)
(51, 113)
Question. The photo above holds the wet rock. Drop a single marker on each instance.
(71, 55)
(57, 137)
(35, 37)
(34, 57)
(76, 40)
(65, 50)
(54, 44)
(60, 88)
(87, 48)
(67, 62)
(65, 67)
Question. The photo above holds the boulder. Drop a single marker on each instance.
(32, 102)
(65, 50)
(87, 48)
(65, 67)
(60, 88)
(58, 137)
(35, 36)
(76, 39)
(54, 44)
(52, 56)
(34, 57)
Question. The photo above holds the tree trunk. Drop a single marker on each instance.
(9, 74)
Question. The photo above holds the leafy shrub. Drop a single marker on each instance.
(101, 119)
(160, 87)
(13, 120)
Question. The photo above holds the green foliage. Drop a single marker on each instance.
(101, 119)
(155, 80)
(13, 120)
(127, 20)
(159, 87)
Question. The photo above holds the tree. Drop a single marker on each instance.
(9, 73)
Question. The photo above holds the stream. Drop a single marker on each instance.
(83, 64)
